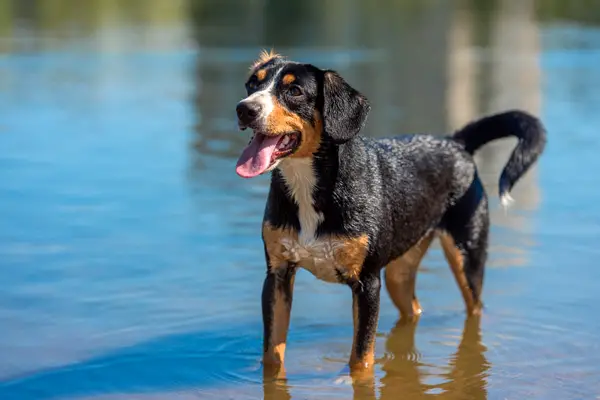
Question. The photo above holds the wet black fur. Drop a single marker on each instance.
(395, 190)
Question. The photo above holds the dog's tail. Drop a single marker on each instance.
(525, 127)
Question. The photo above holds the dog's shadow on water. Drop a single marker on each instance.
(182, 361)
(464, 376)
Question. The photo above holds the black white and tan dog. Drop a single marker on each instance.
(344, 206)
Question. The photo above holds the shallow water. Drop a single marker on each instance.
(130, 254)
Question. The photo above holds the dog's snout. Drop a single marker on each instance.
(247, 111)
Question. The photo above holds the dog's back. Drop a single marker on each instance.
(444, 164)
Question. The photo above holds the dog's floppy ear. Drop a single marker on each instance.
(345, 110)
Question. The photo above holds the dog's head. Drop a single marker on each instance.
(292, 109)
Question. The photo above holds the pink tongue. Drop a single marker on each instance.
(256, 157)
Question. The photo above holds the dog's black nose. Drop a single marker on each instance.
(247, 111)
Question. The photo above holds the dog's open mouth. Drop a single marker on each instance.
(263, 151)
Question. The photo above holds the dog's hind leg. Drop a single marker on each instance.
(465, 242)
(400, 278)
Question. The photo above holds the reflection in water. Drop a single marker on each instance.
(466, 373)
(464, 377)
(276, 390)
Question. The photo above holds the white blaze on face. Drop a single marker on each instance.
(264, 98)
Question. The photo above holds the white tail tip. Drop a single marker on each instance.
(506, 200)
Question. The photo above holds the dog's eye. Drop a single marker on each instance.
(295, 91)
(252, 82)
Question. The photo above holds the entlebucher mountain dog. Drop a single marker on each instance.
(344, 206)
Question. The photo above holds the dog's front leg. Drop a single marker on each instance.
(276, 307)
(365, 311)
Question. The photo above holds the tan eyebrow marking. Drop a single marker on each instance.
(288, 78)
(261, 74)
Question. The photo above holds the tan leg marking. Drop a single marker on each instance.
(272, 238)
(400, 278)
(351, 256)
(456, 260)
(282, 307)
(359, 364)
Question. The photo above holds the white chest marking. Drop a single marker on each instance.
(318, 256)
(301, 180)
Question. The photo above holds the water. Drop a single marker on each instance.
(130, 254)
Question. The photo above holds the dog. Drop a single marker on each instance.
(345, 207)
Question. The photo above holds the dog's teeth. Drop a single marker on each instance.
(285, 140)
